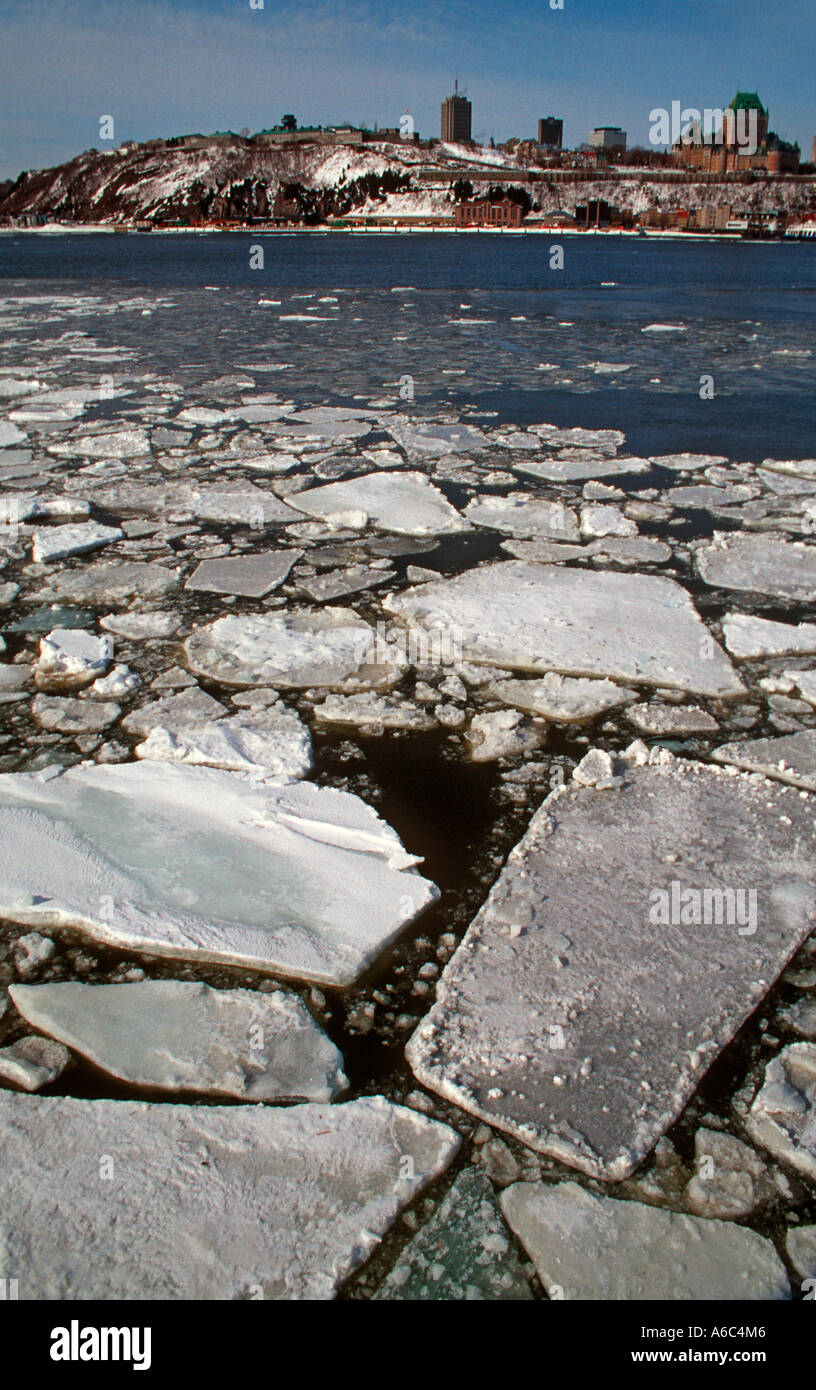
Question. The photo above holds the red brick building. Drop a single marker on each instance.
(475, 213)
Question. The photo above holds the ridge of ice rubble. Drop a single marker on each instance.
(201, 864)
(594, 987)
(285, 1201)
(534, 617)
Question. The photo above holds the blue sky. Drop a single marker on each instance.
(164, 67)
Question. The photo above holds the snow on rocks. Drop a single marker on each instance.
(200, 864)
(521, 515)
(462, 1253)
(532, 617)
(71, 658)
(58, 542)
(281, 1204)
(406, 503)
(324, 647)
(759, 564)
(783, 1116)
(633, 930)
(180, 1035)
(790, 758)
(684, 721)
(249, 576)
(561, 698)
(747, 636)
(32, 1062)
(590, 1247)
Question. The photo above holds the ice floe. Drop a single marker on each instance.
(326, 647)
(561, 698)
(790, 758)
(590, 1247)
(58, 542)
(614, 958)
(532, 617)
(759, 564)
(70, 658)
(180, 1035)
(277, 1204)
(747, 636)
(405, 503)
(249, 576)
(201, 864)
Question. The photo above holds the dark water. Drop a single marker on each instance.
(565, 346)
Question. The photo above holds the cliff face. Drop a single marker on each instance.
(232, 178)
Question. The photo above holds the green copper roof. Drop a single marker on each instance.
(748, 101)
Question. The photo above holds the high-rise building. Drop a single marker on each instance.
(456, 113)
(607, 137)
(813, 151)
(551, 132)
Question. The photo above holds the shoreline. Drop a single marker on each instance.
(616, 234)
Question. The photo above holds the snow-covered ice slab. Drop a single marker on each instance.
(759, 564)
(531, 617)
(180, 1035)
(590, 1247)
(583, 1006)
(434, 441)
(521, 515)
(790, 758)
(681, 720)
(783, 1116)
(280, 1204)
(560, 698)
(137, 627)
(326, 647)
(70, 658)
(272, 742)
(109, 583)
(747, 636)
(249, 576)
(405, 503)
(242, 504)
(58, 542)
(201, 864)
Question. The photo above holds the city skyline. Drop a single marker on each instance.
(171, 66)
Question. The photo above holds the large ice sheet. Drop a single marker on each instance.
(598, 982)
(202, 864)
(533, 617)
(205, 1202)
